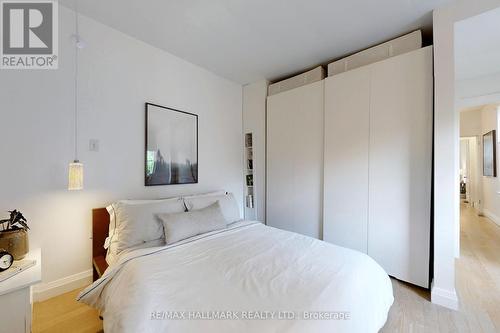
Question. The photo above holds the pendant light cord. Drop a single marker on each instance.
(77, 40)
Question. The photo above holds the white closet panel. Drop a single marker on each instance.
(378, 162)
(295, 160)
(347, 104)
(401, 164)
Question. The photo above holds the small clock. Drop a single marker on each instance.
(6, 260)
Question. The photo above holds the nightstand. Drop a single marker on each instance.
(16, 299)
(100, 265)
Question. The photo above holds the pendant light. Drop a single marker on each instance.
(75, 175)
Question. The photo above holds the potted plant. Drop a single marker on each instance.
(14, 235)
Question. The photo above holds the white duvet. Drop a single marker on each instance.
(247, 278)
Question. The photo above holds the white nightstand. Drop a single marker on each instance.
(15, 297)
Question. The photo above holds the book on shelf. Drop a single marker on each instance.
(248, 140)
(249, 180)
(250, 201)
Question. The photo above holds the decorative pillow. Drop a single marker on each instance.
(188, 224)
(136, 224)
(228, 205)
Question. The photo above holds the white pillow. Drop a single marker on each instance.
(202, 195)
(188, 224)
(136, 223)
(112, 222)
(228, 205)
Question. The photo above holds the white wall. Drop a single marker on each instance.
(446, 138)
(470, 123)
(254, 120)
(477, 56)
(118, 75)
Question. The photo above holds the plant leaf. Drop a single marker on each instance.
(21, 217)
(15, 222)
(23, 224)
(14, 216)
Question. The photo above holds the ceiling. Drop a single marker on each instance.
(477, 50)
(246, 41)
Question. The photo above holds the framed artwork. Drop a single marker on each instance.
(171, 146)
(489, 154)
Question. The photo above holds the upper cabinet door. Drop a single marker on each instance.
(347, 104)
(295, 159)
(401, 165)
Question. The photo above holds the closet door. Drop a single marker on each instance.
(295, 160)
(347, 105)
(400, 165)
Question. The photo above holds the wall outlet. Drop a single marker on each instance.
(94, 145)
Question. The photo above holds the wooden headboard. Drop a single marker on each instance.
(100, 227)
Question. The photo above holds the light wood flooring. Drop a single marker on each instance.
(478, 288)
(477, 285)
(62, 314)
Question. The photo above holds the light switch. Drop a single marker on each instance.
(94, 145)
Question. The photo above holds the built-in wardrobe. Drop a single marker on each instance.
(349, 160)
(294, 160)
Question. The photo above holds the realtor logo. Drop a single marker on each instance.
(29, 34)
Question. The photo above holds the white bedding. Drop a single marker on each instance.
(247, 278)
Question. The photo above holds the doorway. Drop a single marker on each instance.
(477, 100)
(477, 283)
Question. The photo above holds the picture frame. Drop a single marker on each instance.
(489, 154)
(171, 146)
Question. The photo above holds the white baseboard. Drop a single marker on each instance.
(44, 291)
(446, 298)
(491, 216)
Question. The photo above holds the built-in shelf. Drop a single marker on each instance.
(249, 178)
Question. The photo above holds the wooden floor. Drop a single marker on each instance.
(62, 314)
(478, 288)
(477, 283)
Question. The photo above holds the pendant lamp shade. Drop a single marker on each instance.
(75, 179)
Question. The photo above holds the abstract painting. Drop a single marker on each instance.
(489, 154)
(171, 146)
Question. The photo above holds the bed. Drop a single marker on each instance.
(247, 277)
